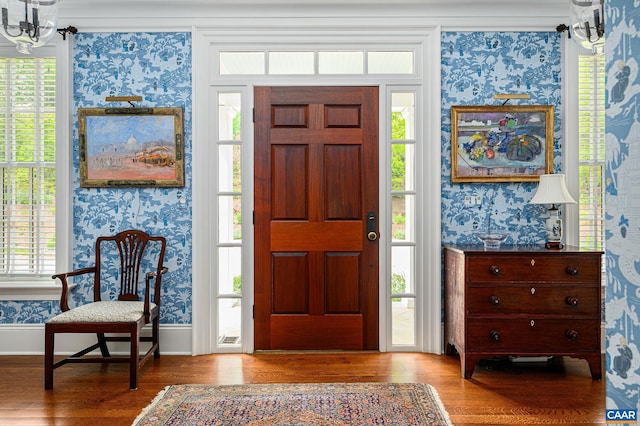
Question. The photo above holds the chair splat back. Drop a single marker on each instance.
(131, 245)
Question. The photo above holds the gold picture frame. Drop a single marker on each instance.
(131, 147)
(501, 143)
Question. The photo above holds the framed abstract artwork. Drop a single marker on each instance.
(501, 143)
(131, 147)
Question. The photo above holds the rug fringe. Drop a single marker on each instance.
(443, 410)
(153, 402)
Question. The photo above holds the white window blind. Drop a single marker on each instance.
(591, 150)
(27, 163)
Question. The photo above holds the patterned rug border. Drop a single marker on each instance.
(190, 389)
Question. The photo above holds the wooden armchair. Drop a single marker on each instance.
(126, 315)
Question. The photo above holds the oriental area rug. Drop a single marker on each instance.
(326, 404)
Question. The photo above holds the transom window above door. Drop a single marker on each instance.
(317, 62)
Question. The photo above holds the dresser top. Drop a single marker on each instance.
(516, 248)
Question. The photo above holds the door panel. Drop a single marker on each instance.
(316, 178)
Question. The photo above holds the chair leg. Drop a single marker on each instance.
(102, 342)
(134, 358)
(155, 333)
(48, 358)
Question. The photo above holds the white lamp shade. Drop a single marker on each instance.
(552, 190)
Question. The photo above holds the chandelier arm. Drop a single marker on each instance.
(5, 23)
(35, 36)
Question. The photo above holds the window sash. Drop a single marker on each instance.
(27, 166)
(591, 152)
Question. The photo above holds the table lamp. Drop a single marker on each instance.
(553, 190)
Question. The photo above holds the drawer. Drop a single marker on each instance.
(543, 299)
(533, 268)
(533, 336)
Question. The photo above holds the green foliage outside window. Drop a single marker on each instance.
(398, 285)
(398, 152)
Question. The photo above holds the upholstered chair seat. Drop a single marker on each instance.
(108, 311)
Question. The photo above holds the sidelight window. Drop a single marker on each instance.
(229, 200)
(403, 219)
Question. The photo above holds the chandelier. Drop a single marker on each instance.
(587, 24)
(29, 23)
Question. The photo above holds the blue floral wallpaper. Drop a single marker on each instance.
(475, 66)
(622, 170)
(156, 66)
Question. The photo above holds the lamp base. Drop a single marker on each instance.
(554, 245)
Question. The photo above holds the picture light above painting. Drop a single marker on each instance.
(131, 147)
(501, 143)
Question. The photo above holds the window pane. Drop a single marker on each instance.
(403, 318)
(402, 167)
(402, 271)
(229, 168)
(591, 110)
(230, 219)
(591, 208)
(403, 218)
(233, 63)
(291, 63)
(390, 62)
(341, 62)
(229, 322)
(403, 122)
(229, 272)
(229, 118)
(398, 167)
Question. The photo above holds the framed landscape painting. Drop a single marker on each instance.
(501, 143)
(131, 147)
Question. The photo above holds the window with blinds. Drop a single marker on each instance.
(591, 150)
(27, 164)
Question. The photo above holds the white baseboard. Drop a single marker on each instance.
(28, 339)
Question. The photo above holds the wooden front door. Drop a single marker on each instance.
(316, 209)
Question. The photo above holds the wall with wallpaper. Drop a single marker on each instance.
(475, 66)
(156, 66)
(622, 203)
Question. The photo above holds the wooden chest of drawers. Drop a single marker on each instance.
(522, 301)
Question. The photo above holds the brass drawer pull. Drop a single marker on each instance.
(495, 335)
(495, 270)
(494, 300)
(572, 300)
(571, 270)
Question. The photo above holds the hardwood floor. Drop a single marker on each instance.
(498, 394)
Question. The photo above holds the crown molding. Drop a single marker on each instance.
(184, 15)
(451, 15)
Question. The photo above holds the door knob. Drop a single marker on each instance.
(372, 235)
